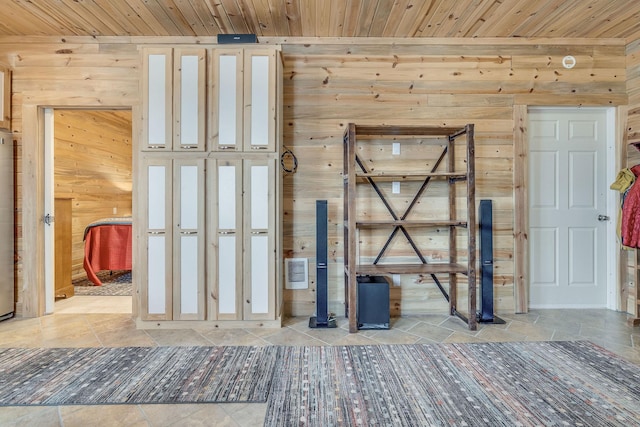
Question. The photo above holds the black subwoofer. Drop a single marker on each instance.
(373, 302)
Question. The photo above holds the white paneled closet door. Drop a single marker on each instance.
(174, 99)
(243, 100)
(157, 295)
(225, 254)
(227, 99)
(188, 258)
(157, 99)
(260, 100)
(259, 239)
(189, 99)
(211, 248)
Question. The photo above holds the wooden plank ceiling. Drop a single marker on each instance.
(324, 18)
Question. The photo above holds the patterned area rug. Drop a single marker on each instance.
(480, 384)
(114, 283)
(133, 375)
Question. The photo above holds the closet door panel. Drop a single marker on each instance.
(157, 276)
(227, 99)
(225, 279)
(190, 99)
(5, 98)
(156, 292)
(189, 238)
(157, 99)
(260, 100)
(259, 239)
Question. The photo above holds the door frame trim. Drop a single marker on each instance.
(615, 131)
(33, 297)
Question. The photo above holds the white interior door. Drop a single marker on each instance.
(567, 194)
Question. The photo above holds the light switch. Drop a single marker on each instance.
(395, 187)
(395, 278)
(395, 148)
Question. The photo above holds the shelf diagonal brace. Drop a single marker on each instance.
(391, 211)
(393, 214)
(407, 211)
(377, 189)
(417, 197)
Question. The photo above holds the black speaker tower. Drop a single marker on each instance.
(322, 319)
(485, 222)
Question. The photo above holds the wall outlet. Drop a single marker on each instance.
(395, 278)
(395, 187)
(395, 148)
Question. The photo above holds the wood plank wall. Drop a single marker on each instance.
(327, 84)
(633, 90)
(632, 135)
(92, 166)
(56, 72)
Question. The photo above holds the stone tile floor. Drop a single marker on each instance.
(68, 328)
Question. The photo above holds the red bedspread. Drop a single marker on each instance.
(107, 247)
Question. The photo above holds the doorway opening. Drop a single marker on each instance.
(88, 194)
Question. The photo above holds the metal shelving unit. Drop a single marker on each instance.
(444, 168)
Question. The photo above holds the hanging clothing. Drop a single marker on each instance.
(630, 223)
(624, 180)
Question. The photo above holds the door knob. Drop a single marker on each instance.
(603, 218)
(48, 219)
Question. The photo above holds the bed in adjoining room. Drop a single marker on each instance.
(107, 246)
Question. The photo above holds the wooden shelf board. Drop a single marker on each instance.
(406, 131)
(413, 176)
(411, 223)
(386, 269)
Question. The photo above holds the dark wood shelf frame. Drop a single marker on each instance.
(354, 172)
